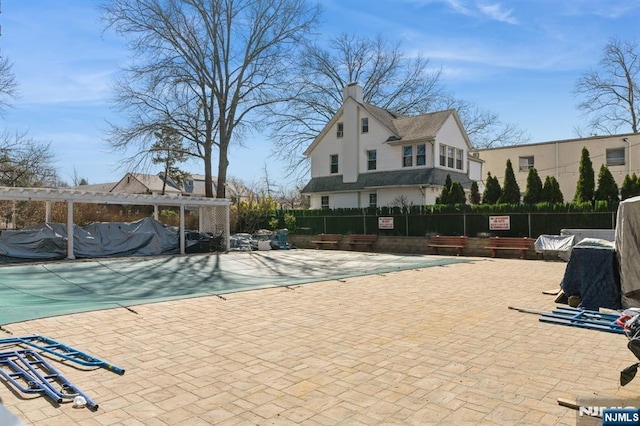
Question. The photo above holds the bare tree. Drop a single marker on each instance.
(484, 128)
(8, 84)
(390, 80)
(609, 92)
(26, 163)
(203, 68)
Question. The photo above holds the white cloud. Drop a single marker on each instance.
(497, 13)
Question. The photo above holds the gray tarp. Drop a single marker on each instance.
(145, 237)
(628, 250)
(555, 245)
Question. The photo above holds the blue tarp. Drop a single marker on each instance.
(592, 274)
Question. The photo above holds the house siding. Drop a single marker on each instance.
(450, 135)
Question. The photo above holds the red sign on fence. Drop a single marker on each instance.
(499, 223)
(385, 222)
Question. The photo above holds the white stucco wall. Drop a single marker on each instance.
(561, 159)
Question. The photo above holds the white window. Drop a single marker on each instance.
(451, 157)
(372, 159)
(324, 202)
(525, 163)
(334, 163)
(421, 155)
(459, 153)
(373, 200)
(365, 125)
(407, 156)
(615, 157)
(340, 130)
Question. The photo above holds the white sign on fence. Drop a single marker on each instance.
(499, 223)
(385, 222)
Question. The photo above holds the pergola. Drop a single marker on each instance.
(71, 196)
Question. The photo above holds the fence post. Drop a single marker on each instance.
(529, 220)
(364, 221)
(464, 224)
(406, 222)
(324, 221)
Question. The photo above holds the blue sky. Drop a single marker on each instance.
(517, 58)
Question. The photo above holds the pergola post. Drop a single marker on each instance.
(70, 254)
(47, 211)
(182, 242)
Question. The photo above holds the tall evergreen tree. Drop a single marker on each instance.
(626, 190)
(456, 194)
(492, 190)
(551, 191)
(635, 180)
(630, 187)
(533, 194)
(474, 194)
(446, 190)
(556, 193)
(586, 179)
(607, 186)
(510, 188)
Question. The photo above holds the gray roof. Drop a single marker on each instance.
(409, 128)
(393, 178)
(97, 187)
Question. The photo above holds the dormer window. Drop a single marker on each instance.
(340, 130)
(365, 125)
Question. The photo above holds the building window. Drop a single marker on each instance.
(334, 163)
(373, 200)
(372, 159)
(365, 125)
(324, 202)
(340, 131)
(407, 156)
(615, 157)
(421, 155)
(459, 153)
(525, 163)
(451, 157)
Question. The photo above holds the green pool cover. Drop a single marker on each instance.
(38, 290)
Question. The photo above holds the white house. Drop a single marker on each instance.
(369, 157)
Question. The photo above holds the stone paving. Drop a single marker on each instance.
(428, 346)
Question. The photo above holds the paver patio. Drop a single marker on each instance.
(427, 346)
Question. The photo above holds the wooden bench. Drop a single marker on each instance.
(366, 240)
(510, 243)
(330, 240)
(440, 241)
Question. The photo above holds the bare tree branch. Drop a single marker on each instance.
(204, 68)
(609, 92)
(390, 80)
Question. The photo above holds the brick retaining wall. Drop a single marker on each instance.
(413, 245)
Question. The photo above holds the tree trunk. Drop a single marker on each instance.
(223, 163)
(208, 181)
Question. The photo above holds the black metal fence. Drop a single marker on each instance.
(514, 224)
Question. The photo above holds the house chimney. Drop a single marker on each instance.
(354, 91)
